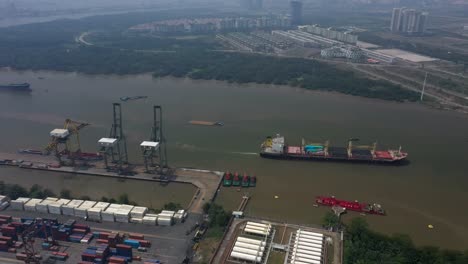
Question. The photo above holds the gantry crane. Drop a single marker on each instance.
(66, 140)
(155, 148)
(115, 146)
(28, 235)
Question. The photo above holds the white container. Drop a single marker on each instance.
(138, 211)
(126, 207)
(149, 220)
(4, 205)
(122, 216)
(95, 213)
(51, 199)
(108, 214)
(101, 205)
(136, 220)
(4, 198)
(43, 207)
(18, 204)
(31, 205)
(56, 207)
(164, 220)
(69, 209)
(82, 210)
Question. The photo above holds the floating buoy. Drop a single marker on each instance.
(276, 196)
(430, 226)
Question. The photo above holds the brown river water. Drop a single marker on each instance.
(431, 189)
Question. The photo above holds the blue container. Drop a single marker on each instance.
(132, 243)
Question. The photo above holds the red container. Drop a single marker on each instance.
(136, 236)
(144, 243)
(7, 217)
(18, 245)
(117, 260)
(12, 250)
(81, 226)
(104, 235)
(102, 241)
(21, 256)
(138, 258)
(122, 246)
(79, 231)
(5, 238)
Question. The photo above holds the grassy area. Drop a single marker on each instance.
(276, 257)
(206, 249)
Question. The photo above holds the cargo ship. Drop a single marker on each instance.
(16, 87)
(351, 206)
(276, 147)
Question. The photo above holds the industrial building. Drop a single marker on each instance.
(306, 247)
(349, 52)
(296, 12)
(254, 245)
(331, 34)
(409, 21)
(379, 56)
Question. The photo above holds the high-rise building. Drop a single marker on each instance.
(408, 21)
(396, 18)
(296, 12)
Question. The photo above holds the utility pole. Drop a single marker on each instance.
(423, 88)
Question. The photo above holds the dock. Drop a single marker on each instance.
(207, 182)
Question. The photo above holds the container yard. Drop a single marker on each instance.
(253, 241)
(71, 239)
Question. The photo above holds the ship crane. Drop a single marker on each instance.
(371, 148)
(66, 140)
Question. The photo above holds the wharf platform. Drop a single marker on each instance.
(207, 182)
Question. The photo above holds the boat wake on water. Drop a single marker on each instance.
(244, 153)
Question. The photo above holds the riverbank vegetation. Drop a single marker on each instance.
(52, 46)
(363, 245)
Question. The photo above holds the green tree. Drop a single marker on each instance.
(123, 199)
(331, 220)
(65, 194)
(36, 192)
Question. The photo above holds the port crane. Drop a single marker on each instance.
(114, 148)
(155, 148)
(66, 140)
(28, 235)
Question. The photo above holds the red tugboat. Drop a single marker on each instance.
(352, 206)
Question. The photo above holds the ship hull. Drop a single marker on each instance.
(330, 159)
(22, 87)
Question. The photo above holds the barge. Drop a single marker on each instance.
(277, 147)
(351, 205)
(15, 87)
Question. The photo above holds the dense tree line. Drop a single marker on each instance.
(51, 46)
(363, 246)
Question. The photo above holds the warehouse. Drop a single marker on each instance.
(248, 249)
(306, 247)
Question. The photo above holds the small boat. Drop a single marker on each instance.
(236, 180)
(205, 123)
(31, 151)
(227, 179)
(16, 87)
(245, 181)
(129, 98)
(253, 181)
